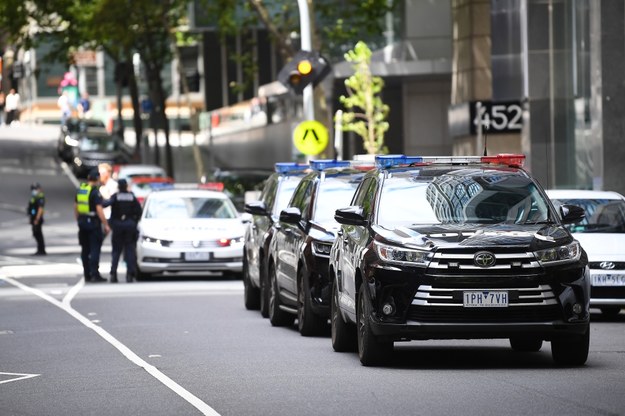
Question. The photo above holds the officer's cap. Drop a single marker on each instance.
(35, 186)
(93, 175)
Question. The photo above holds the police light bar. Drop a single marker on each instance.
(507, 159)
(284, 167)
(322, 164)
(212, 186)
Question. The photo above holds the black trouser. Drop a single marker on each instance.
(38, 234)
(90, 237)
(123, 240)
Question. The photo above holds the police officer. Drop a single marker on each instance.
(125, 212)
(92, 226)
(35, 213)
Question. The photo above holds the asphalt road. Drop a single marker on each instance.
(187, 346)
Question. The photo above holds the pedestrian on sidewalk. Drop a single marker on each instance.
(92, 226)
(35, 213)
(12, 106)
(125, 213)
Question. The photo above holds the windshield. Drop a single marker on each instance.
(602, 215)
(74, 125)
(460, 197)
(97, 144)
(179, 208)
(334, 194)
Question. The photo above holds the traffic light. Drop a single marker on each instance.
(304, 68)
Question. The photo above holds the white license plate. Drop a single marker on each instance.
(485, 299)
(197, 256)
(607, 279)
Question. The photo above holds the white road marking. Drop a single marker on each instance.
(20, 377)
(127, 352)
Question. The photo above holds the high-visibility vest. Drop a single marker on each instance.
(82, 199)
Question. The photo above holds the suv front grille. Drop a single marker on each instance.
(525, 304)
(461, 262)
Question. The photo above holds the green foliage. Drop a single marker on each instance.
(364, 91)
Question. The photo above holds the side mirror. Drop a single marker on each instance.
(291, 215)
(571, 213)
(256, 208)
(350, 216)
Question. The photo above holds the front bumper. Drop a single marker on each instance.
(156, 259)
(544, 304)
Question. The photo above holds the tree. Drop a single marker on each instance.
(363, 91)
(332, 27)
(119, 27)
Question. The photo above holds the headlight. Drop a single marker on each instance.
(569, 253)
(151, 240)
(321, 249)
(401, 255)
(70, 141)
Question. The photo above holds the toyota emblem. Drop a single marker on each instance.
(607, 265)
(484, 259)
(195, 243)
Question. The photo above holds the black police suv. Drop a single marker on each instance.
(457, 248)
(273, 198)
(300, 247)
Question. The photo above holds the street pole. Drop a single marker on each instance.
(306, 45)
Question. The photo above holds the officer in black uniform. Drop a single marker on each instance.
(125, 213)
(35, 213)
(92, 226)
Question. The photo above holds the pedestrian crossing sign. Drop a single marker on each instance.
(310, 137)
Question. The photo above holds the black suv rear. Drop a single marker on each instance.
(273, 198)
(444, 248)
(300, 246)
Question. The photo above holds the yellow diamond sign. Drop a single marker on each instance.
(310, 137)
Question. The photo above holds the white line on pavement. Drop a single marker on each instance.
(127, 352)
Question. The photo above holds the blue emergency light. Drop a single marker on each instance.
(322, 164)
(386, 161)
(285, 167)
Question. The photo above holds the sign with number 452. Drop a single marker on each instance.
(496, 117)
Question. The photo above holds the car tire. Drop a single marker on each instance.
(141, 276)
(308, 322)
(523, 344)
(343, 333)
(251, 294)
(264, 293)
(610, 311)
(571, 350)
(277, 316)
(370, 351)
